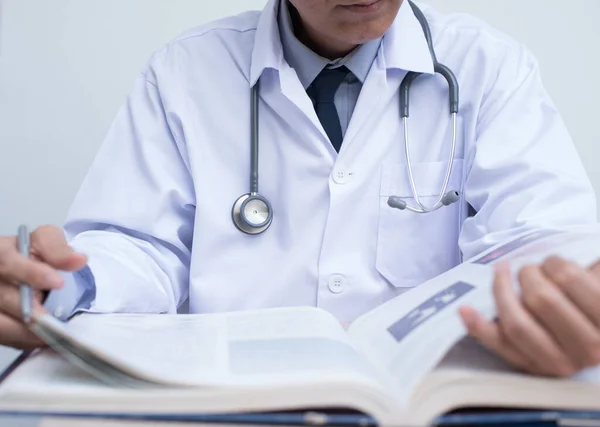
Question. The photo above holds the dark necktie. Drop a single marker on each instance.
(322, 92)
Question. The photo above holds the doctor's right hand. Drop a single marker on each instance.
(49, 253)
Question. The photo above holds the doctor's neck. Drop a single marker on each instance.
(333, 28)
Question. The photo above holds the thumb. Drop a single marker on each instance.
(48, 244)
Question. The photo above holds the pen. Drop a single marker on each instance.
(24, 289)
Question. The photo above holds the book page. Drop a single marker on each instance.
(409, 335)
(258, 348)
(470, 376)
(45, 383)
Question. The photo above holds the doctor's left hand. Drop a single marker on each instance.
(553, 328)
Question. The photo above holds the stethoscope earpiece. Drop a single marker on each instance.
(396, 203)
(448, 199)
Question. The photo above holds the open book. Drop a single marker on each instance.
(405, 363)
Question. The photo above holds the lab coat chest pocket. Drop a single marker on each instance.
(412, 247)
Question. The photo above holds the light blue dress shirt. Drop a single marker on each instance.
(78, 291)
(308, 64)
(75, 296)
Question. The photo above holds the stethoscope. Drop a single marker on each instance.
(253, 214)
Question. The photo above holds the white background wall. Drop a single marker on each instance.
(66, 66)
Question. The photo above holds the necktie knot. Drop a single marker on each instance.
(322, 92)
(326, 84)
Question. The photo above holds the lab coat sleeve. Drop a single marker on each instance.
(133, 216)
(524, 171)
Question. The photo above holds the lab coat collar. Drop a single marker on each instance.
(268, 50)
(404, 46)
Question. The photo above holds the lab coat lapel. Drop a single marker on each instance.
(296, 95)
(287, 99)
(404, 47)
(370, 97)
(268, 55)
(294, 107)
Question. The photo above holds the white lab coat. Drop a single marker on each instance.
(154, 213)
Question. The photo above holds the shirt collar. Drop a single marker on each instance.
(309, 64)
(403, 46)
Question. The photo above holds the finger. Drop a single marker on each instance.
(49, 245)
(578, 337)
(15, 334)
(489, 335)
(10, 302)
(595, 270)
(523, 331)
(17, 269)
(577, 283)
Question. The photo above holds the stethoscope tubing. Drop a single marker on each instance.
(239, 211)
(439, 203)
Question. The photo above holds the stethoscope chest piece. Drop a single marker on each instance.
(252, 214)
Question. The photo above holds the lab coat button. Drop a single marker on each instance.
(337, 284)
(342, 176)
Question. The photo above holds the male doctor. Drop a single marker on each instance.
(154, 215)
